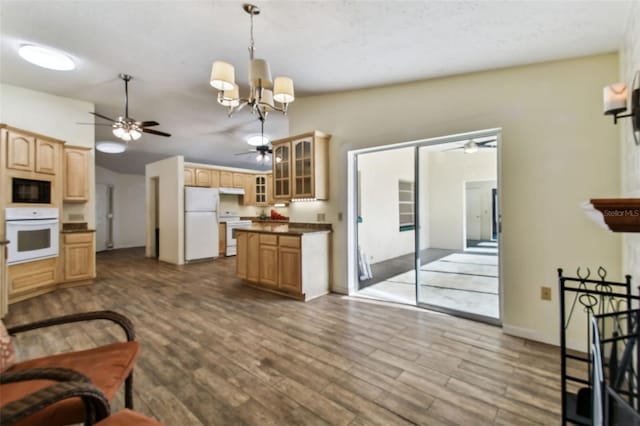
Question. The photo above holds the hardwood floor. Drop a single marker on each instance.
(215, 351)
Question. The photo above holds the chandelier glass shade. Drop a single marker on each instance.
(265, 94)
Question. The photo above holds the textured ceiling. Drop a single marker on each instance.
(325, 46)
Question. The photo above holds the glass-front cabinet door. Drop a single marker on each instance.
(261, 190)
(281, 171)
(303, 169)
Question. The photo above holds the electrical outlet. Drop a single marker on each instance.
(340, 217)
(545, 293)
(321, 217)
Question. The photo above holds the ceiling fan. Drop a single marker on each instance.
(263, 153)
(127, 128)
(473, 145)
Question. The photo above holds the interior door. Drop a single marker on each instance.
(473, 204)
(102, 213)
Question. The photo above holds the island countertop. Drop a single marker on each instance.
(286, 228)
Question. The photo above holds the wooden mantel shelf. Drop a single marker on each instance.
(619, 214)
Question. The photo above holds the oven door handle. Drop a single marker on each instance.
(34, 222)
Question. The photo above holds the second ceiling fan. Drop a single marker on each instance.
(125, 127)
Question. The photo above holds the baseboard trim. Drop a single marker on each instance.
(530, 334)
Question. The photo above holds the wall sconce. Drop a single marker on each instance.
(615, 103)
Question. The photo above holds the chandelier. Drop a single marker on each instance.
(265, 94)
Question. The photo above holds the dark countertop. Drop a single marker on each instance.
(76, 231)
(4, 242)
(286, 229)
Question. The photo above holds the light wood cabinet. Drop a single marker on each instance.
(203, 177)
(269, 190)
(260, 191)
(303, 167)
(226, 179)
(215, 178)
(222, 239)
(284, 263)
(31, 278)
(253, 253)
(76, 174)
(282, 171)
(20, 151)
(239, 180)
(248, 199)
(189, 176)
(242, 258)
(269, 265)
(289, 269)
(79, 256)
(47, 156)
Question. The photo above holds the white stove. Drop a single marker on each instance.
(232, 221)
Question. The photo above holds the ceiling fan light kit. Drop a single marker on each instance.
(264, 92)
(126, 128)
(615, 104)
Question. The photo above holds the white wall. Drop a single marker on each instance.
(629, 65)
(448, 172)
(557, 151)
(170, 175)
(56, 117)
(379, 233)
(129, 226)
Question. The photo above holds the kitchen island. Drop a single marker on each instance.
(290, 259)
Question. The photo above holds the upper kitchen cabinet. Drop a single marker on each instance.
(226, 179)
(239, 180)
(189, 176)
(76, 177)
(30, 152)
(203, 177)
(302, 171)
(21, 150)
(260, 190)
(47, 156)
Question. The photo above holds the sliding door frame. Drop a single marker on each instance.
(352, 216)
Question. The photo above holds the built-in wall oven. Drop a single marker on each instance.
(30, 191)
(33, 232)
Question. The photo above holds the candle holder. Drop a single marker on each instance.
(615, 104)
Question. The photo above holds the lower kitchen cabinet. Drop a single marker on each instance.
(79, 256)
(31, 279)
(222, 239)
(292, 265)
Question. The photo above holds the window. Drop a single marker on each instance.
(406, 205)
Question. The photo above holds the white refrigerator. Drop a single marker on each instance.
(201, 223)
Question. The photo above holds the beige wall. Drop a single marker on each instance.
(379, 233)
(448, 172)
(629, 65)
(557, 151)
(129, 226)
(56, 117)
(170, 176)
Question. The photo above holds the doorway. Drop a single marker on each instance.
(424, 224)
(104, 217)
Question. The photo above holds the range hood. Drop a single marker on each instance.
(231, 191)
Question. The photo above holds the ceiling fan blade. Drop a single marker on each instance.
(103, 116)
(156, 132)
(97, 124)
(147, 123)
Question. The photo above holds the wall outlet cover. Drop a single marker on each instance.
(545, 293)
(321, 217)
(340, 216)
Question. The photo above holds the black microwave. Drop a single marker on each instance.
(31, 191)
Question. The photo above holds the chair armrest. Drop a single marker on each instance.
(96, 405)
(115, 317)
(56, 374)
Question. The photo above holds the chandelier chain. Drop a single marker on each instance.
(252, 44)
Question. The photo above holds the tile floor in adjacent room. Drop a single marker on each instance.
(466, 282)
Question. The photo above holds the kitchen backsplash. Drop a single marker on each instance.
(232, 203)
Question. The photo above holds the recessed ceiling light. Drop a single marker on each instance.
(46, 58)
(111, 147)
(257, 140)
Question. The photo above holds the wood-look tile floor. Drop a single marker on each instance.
(215, 351)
